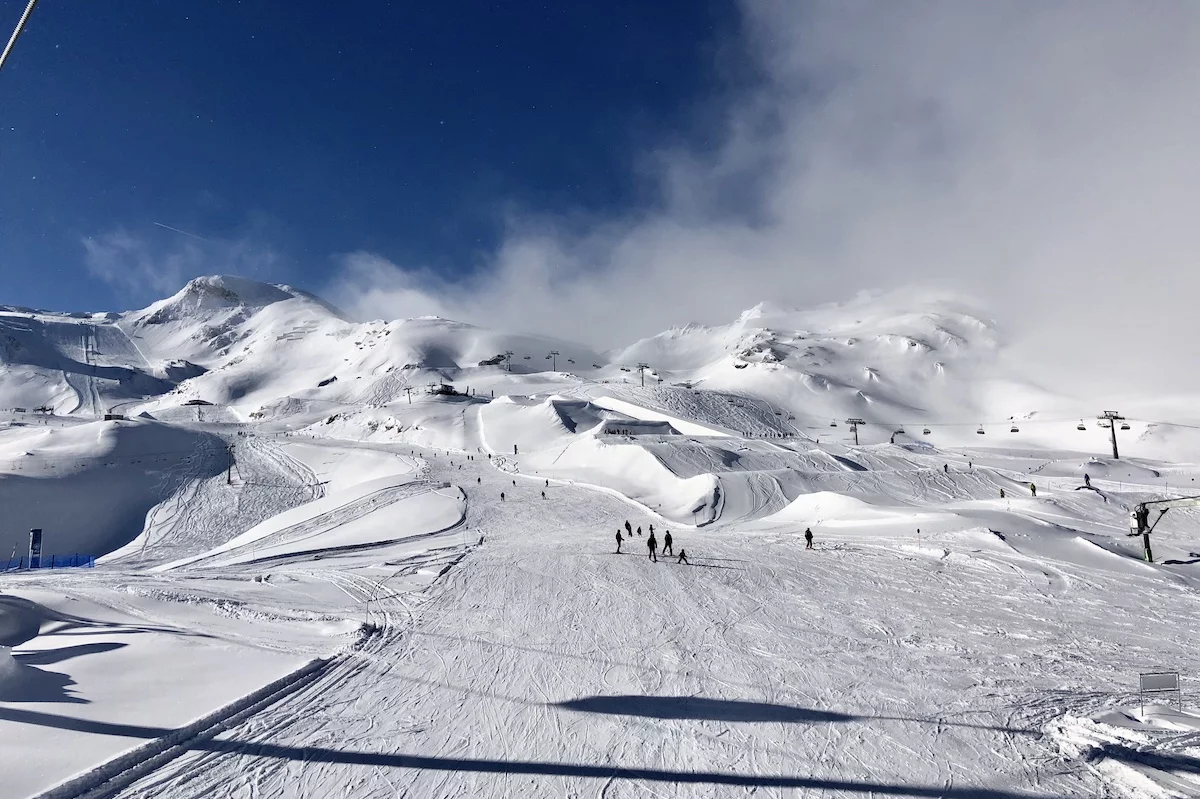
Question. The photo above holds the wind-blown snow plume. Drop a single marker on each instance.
(1036, 155)
(142, 268)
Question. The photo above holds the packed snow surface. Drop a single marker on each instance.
(366, 560)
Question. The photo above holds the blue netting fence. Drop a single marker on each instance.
(50, 562)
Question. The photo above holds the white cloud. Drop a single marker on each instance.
(141, 269)
(1038, 155)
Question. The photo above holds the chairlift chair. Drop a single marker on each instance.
(980, 431)
(1014, 428)
(926, 431)
(1124, 425)
(833, 424)
(900, 430)
(1081, 426)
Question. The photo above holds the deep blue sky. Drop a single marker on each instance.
(314, 128)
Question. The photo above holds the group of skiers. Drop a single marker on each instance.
(652, 543)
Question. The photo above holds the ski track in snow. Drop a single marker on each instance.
(756, 664)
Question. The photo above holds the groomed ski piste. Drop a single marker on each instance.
(363, 588)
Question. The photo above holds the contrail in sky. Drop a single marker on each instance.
(184, 232)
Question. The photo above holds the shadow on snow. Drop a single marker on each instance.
(703, 709)
(311, 754)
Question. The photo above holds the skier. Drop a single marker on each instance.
(1087, 480)
(640, 530)
(1033, 489)
(652, 545)
(619, 540)
(1002, 493)
(946, 468)
(479, 480)
(808, 538)
(683, 557)
(501, 496)
(666, 541)
(652, 528)
(514, 483)
(547, 484)
(543, 495)
(628, 529)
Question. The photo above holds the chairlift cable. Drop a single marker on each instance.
(12, 41)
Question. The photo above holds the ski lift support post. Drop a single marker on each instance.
(854, 423)
(1139, 519)
(1113, 417)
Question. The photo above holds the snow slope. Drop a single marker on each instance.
(323, 584)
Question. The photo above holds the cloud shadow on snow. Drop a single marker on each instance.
(47, 657)
(310, 754)
(31, 684)
(700, 708)
(703, 709)
(1164, 761)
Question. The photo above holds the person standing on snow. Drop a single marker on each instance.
(666, 541)
(640, 530)
(501, 496)
(1033, 489)
(683, 557)
(1087, 480)
(619, 540)
(543, 495)
(808, 538)
(652, 529)
(652, 545)
(628, 529)
(946, 468)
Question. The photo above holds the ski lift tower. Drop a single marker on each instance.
(854, 423)
(1112, 417)
(642, 367)
(508, 359)
(554, 360)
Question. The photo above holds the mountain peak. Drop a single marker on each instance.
(205, 296)
(764, 309)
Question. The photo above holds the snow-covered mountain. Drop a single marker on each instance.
(256, 348)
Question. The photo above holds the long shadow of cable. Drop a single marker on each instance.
(703, 709)
(311, 754)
